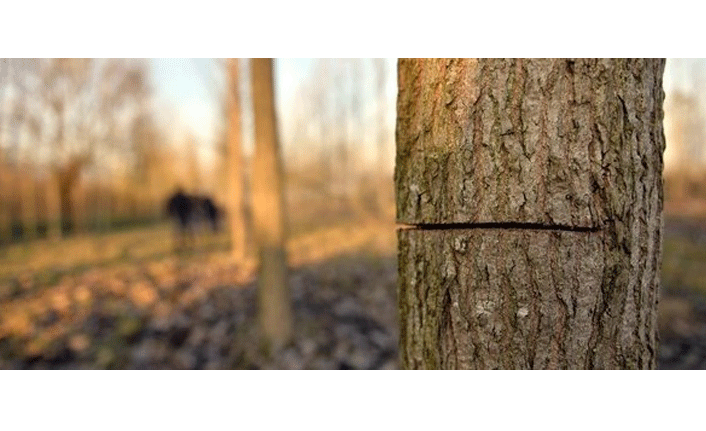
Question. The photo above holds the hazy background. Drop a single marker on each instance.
(91, 149)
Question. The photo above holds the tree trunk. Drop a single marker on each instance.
(29, 204)
(4, 197)
(79, 213)
(53, 204)
(534, 188)
(67, 205)
(268, 210)
(235, 166)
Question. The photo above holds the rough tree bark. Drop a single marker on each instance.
(268, 210)
(235, 165)
(534, 191)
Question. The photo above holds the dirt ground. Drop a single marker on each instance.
(126, 301)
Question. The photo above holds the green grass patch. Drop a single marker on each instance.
(684, 265)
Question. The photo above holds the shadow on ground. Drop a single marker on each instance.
(178, 315)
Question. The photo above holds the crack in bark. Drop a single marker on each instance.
(498, 225)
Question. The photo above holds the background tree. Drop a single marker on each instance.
(235, 165)
(535, 191)
(269, 210)
(321, 95)
(5, 188)
(19, 120)
(64, 82)
(223, 80)
(30, 188)
(380, 74)
(89, 109)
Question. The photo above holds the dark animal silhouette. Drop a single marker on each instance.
(190, 213)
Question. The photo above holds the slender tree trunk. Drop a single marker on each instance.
(5, 198)
(16, 219)
(78, 201)
(29, 204)
(4, 194)
(66, 204)
(268, 209)
(108, 203)
(534, 188)
(53, 205)
(235, 166)
(382, 177)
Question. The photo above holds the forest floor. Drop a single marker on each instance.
(682, 307)
(126, 300)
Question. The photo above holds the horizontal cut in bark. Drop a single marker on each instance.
(530, 226)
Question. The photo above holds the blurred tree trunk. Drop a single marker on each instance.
(70, 194)
(66, 204)
(234, 166)
(53, 205)
(107, 203)
(343, 171)
(4, 200)
(269, 210)
(29, 204)
(383, 196)
(78, 197)
(535, 191)
(15, 204)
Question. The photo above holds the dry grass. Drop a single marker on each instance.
(84, 251)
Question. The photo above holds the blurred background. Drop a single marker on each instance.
(93, 276)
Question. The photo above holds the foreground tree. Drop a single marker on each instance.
(534, 188)
(268, 209)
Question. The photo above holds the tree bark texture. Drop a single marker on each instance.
(235, 165)
(268, 209)
(534, 188)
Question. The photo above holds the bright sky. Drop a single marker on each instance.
(185, 88)
(185, 92)
(689, 76)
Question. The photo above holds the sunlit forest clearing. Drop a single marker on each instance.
(95, 274)
(94, 298)
(47, 261)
